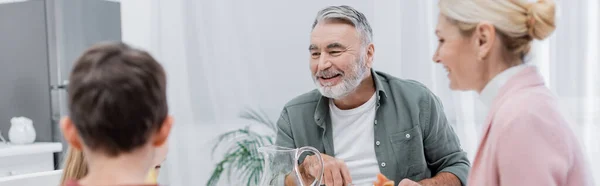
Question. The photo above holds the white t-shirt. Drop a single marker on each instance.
(354, 140)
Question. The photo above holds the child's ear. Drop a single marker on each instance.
(163, 133)
(70, 133)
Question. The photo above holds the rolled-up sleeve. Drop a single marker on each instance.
(442, 147)
(284, 138)
(284, 131)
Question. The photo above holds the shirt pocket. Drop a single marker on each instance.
(408, 150)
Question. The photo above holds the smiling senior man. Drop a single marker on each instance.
(363, 121)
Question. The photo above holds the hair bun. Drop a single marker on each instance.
(540, 19)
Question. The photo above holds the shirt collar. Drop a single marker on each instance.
(491, 89)
(379, 88)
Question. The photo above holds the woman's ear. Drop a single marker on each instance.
(70, 133)
(485, 34)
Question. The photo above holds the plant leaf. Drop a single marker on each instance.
(228, 137)
(259, 116)
(242, 158)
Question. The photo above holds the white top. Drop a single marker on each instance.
(7, 150)
(491, 89)
(354, 140)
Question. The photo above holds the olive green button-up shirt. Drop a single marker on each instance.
(413, 137)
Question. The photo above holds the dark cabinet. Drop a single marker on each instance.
(39, 40)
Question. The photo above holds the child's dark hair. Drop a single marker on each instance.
(117, 97)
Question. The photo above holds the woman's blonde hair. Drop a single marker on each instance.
(518, 22)
(75, 166)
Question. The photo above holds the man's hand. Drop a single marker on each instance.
(407, 182)
(335, 174)
(441, 179)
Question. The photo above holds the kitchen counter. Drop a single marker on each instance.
(7, 150)
(26, 159)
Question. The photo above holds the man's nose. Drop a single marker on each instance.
(324, 63)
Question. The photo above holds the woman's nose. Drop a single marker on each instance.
(436, 58)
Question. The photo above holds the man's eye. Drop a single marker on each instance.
(315, 54)
(335, 52)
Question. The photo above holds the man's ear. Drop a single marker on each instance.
(162, 135)
(70, 133)
(370, 55)
(486, 36)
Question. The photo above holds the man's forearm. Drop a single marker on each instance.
(441, 179)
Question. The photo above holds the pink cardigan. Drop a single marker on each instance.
(526, 141)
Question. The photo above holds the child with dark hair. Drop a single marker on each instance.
(118, 114)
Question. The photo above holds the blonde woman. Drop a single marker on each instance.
(525, 140)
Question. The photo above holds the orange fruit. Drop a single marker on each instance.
(383, 181)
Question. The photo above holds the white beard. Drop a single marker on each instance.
(350, 81)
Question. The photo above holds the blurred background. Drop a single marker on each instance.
(226, 57)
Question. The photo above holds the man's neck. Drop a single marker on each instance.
(361, 95)
(126, 169)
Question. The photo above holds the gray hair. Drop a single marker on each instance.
(350, 15)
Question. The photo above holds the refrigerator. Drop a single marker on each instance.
(39, 41)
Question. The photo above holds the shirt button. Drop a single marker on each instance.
(375, 122)
(383, 164)
(407, 135)
(377, 143)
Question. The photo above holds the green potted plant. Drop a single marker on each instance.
(241, 158)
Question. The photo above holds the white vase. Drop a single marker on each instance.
(21, 131)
